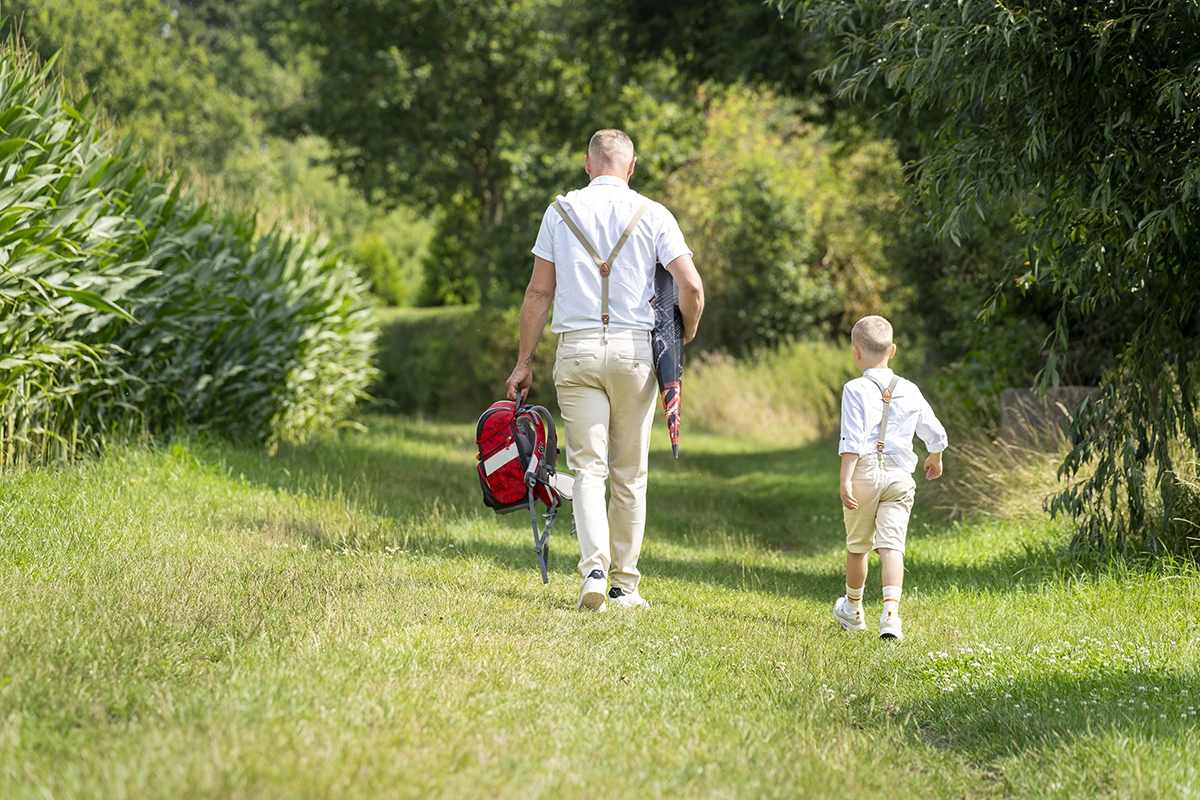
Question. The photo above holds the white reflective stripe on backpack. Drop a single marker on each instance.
(498, 459)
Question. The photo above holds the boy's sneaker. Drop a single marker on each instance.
(890, 626)
(848, 618)
(591, 593)
(624, 599)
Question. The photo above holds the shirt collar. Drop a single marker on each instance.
(882, 372)
(608, 180)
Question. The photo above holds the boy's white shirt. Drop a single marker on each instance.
(910, 414)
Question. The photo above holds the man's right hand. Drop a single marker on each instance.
(520, 380)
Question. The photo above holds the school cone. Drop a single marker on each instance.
(667, 348)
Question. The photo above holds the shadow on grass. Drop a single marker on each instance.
(419, 479)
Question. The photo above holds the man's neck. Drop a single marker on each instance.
(621, 178)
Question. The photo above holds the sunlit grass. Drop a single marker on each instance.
(345, 619)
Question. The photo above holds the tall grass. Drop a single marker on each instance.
(790, 395)
(126, 305)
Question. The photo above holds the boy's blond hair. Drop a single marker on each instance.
(872, 335)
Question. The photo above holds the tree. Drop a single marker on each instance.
(1079, 120)
(184, 90)
(791, 227)
(452, 104)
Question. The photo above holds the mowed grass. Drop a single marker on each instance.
(346, 620)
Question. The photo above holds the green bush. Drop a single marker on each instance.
(127, 305)
(453, 361)
(789, 230)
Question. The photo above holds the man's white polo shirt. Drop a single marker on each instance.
(602, 210)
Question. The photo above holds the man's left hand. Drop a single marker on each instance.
(520, 380)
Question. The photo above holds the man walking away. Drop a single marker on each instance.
(594, 259)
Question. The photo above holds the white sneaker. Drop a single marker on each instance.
(846, 617)
(890, 626)
(624, 599)
(591, 593)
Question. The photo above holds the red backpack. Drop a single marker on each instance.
(518, 454)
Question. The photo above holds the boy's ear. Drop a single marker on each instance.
(857, 353)
(892, 352)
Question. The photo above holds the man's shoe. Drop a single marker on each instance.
(624, 599)
(591, 593)
(848, 618)
(890, 627)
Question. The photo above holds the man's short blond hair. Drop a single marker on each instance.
(872, 335)
(610, 148)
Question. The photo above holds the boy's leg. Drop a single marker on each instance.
(891, 567)
(856, 575)
(848, 610)
(895, 507)
(892, 571)
(860, 529)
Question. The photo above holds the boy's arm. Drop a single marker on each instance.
(852, 443)
(849, 460)
(933, 434)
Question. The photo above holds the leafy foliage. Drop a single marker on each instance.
(1082, 117)
(481, 111)
(151, 66)
(790, 230)
(128, 306)
(451, 362)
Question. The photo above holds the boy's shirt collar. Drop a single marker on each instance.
(883, 373)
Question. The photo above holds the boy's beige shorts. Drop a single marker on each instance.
(885, 500)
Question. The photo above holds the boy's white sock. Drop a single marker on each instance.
(891, 600)
(854, 598)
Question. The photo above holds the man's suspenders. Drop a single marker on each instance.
(605, 266)
(887, 403)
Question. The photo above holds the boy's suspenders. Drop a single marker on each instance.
(605, 266)
(887, 402)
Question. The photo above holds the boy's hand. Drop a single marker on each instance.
(933, 467)
(848, 496)
(849, 462)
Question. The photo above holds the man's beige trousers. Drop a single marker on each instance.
(606, 392)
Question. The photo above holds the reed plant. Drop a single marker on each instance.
(127, 306)
(788, 395)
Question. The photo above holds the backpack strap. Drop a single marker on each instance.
(887, 404)
(605, 266)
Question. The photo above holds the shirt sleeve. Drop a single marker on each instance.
(931, 431)
(544, 246)
(668, 242)
(854, 424)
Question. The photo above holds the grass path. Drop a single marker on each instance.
(346, 620)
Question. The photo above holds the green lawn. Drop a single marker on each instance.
(347, 620)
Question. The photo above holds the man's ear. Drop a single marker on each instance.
(632, 164)
(892, 352)
(587, 165)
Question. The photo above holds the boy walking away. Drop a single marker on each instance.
(880, 414)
